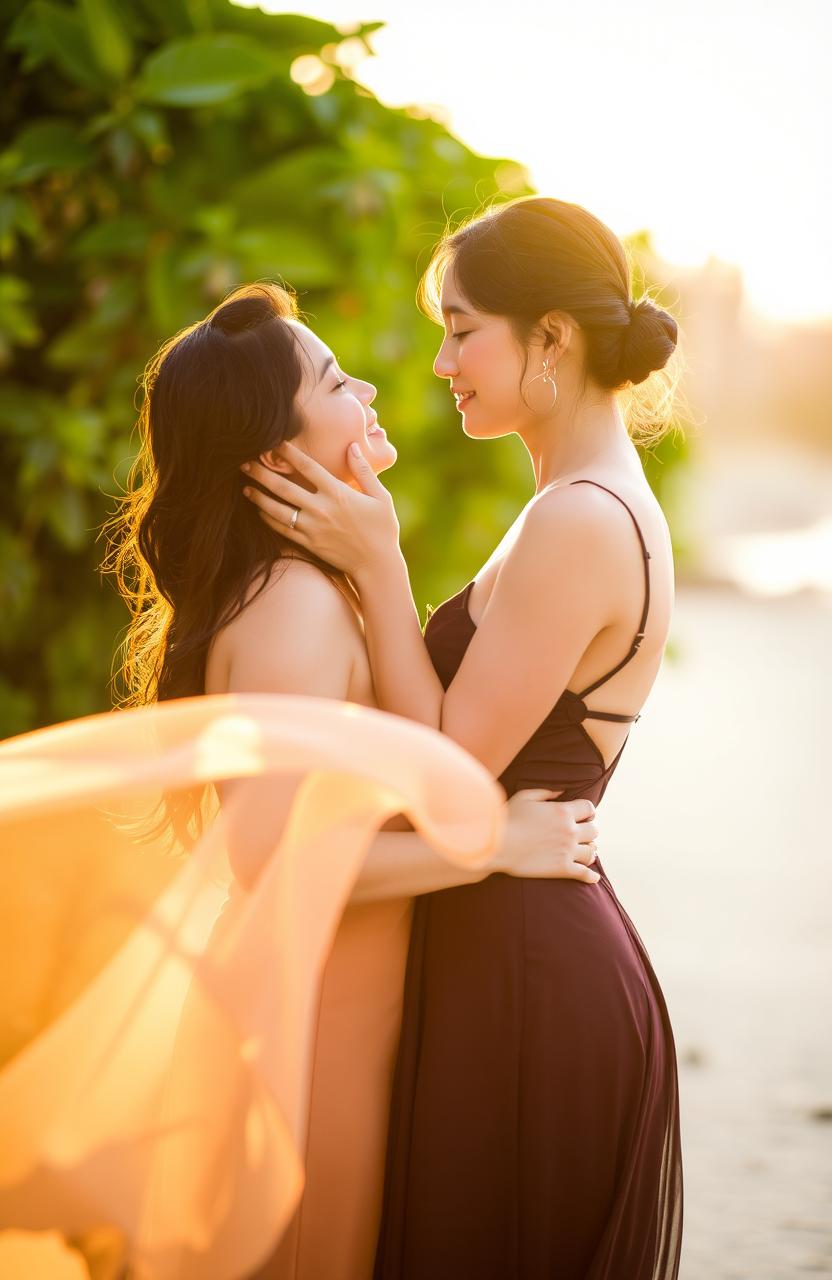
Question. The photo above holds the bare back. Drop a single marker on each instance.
(623, 582)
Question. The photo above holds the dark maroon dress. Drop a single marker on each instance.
(534, 1130)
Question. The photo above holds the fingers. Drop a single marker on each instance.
(586, 832)
(582, 810)
(588, 876)
(308, 467)
(279, 485)
(586, 854)
(363, 472)
(538, 793)
(277, 516)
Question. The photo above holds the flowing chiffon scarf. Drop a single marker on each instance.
(156, 1023)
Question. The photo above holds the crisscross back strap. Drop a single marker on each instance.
(639, 636)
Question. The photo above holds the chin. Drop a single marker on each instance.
(383, 461)
(484, 432)
(479, 426)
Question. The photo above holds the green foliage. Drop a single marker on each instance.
(158, 154)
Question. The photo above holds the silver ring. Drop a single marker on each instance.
(294, 519)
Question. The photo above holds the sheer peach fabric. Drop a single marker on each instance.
(157, 1019)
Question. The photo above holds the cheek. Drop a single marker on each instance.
(336, 423)
(493, 370)
(344, 419)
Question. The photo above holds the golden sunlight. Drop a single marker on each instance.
(702, 124)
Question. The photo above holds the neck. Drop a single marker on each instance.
(576, 438)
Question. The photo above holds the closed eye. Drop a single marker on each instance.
(464, 333)
(340, 384)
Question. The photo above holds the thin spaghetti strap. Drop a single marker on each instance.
(639, 636)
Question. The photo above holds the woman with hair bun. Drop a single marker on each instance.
(535, 1120)
(222, 604)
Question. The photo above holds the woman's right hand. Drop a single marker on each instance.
(544, 839)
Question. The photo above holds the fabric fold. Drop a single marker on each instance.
(156, 1028)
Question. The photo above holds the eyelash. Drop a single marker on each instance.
(340, 384)
(464, 334)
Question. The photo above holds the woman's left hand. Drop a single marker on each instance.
(352, 530)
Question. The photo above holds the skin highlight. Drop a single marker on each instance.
(336, 409)
(323, 653)
(517, 600)
(481, 353)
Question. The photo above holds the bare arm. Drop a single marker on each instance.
(399, 864)
(533, 631)
(403, 675)
(299, 637)
(557, 588)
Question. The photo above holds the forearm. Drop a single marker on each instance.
(400, 864)
(403, 676)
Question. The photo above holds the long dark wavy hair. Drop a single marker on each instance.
(529, 256)
(185, 545)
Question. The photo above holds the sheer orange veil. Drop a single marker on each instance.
(157, 1017)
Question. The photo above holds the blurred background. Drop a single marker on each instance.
(156, 153)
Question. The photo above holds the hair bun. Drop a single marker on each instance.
(649, 340)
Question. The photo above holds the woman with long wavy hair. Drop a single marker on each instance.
(221, 603)
(535, 1120)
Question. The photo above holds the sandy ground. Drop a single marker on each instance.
(716, 836)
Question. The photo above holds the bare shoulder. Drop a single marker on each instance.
(581, 539)
(603, 514)
(580, 516)
(298, 634)
(297, 584)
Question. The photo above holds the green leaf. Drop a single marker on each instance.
(26, 37)
(23, 411)
(79, 434)
(214, 221)
(177, 287)
(169, 18)
(141, 214)
(18, 575)
(76, 667)
(294, 33)
(16, 216)
(17, 710)
(304, 177)
(17, 323)
(123, 151)
(150, 128)
(66, 515)
(107, 37)
(84, 345)
(286, 252)
(45, 147)
(53, 32)
(205, 69)
(124, 237)
(39, 460)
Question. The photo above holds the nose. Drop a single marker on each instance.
(367, 393)
(446, 365)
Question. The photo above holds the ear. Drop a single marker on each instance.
(274, 460)
(557, 329)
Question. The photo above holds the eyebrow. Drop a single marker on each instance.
(453, 310)
(330, 360)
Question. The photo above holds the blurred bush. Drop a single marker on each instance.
(160, 152)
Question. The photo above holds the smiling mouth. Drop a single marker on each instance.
(462, 397)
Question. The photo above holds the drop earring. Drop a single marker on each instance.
(548, 375)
